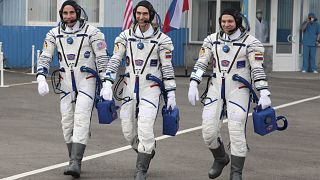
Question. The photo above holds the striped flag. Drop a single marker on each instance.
(127, 19)
(174, 15)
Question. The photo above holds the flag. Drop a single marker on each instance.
(127, 19)
(174, 15)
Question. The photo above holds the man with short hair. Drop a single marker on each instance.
(78, 44)
(231, 51)
(147, 51)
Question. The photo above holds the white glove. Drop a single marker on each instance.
(264, 100)
(193, 94)
(43, 87)
(171, 100)
(106, 91)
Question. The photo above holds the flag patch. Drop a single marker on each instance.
(168, 54)
(102, 45)
(258, 56)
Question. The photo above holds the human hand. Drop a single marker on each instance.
(264, 100)
(43, 87)
(106, 91)
(171, 100)
(193, 93)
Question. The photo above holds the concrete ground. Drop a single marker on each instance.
(32, 145)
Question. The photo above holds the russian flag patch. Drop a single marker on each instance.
(258, 56)
(168, 54)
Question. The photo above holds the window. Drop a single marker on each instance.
(204, 16)
(42, 10)
(91, 8)
(45, 12)
(262, 23)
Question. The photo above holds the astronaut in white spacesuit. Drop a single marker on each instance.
(78, 44)
(231, 51)
(147, 51)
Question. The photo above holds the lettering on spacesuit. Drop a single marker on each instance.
(225, 63)
(154, 62)
(241, 64)
(71, 57)
(138, 62)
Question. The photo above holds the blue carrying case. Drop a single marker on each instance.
(107, 111)
(171, 120)
(264, 120)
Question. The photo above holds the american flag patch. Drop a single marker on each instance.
(258, 56)
(102, 45)
(168, 54)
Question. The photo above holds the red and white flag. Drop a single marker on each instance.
(174, 15)
(127, 19)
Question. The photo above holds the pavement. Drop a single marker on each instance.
(32, 145)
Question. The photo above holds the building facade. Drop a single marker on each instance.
(24, 23)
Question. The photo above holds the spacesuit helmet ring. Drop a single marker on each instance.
(148, 5)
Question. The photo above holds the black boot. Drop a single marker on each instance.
(221, 159)
(142, 166)
(237, 164)
(76, 157)
(69, 145)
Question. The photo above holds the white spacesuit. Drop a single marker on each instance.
(148, 52)
(236, 53)
(83, 45)
(154, 58)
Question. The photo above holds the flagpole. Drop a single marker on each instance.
(185, 51)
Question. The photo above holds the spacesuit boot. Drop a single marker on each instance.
(221, 159)
(142, 166)
(76, 156)
(69, 145)
(237, 164)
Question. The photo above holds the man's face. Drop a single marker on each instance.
(69, 15)
(142, 15)
(228, 23)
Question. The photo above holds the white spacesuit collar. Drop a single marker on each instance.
(233, 36)
(146, 34)
(75, 28)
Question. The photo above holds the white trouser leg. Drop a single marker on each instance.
(82, 117)
(147, 115)
(66, 109)
(237, 115)
(129, 123)
(211, 123)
